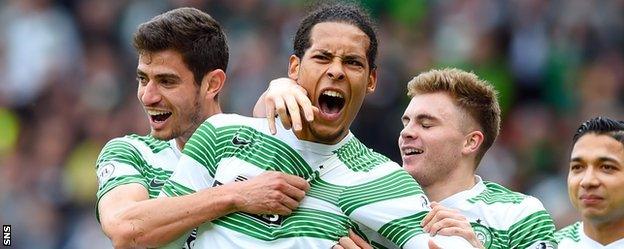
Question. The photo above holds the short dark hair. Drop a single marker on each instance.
(601, 126)
(192, 33)
(342, 13)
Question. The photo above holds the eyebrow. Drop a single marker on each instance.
(169, 76)
(419, 118)
(424, 116)
(600, 159)
(352, 57)
(345, 57)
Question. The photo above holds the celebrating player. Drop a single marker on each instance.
(350, 185)
(452, 120)
(182, 61)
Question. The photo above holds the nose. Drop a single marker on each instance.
(149, 94)
(589, 179)
(408, 132)
(336, 71)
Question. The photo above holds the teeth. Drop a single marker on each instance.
(153, 112)
(332, 93)
(412, 151)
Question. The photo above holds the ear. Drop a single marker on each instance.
(212, 83)
(473, 142)
(372, 81)
(293, 67)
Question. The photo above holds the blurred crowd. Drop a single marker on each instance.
(67, 86)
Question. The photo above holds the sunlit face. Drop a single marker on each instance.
(169, 95)
(336, 74)
(432, 139)
(596, 178)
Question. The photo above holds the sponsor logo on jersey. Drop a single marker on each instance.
(483, 233)
(156, 183)
(236, 140)
(104, 172)
(542, 245)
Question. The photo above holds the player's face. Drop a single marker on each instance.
(431, 140)
(596, 178)
(336, 74)
(168, 94)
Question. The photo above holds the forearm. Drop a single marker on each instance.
(156, 222)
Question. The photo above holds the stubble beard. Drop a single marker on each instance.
(326, 139)
(194, 121)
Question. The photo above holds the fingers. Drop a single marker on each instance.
(337, 246)
(297, 182)
(305, 105)
(439, 213)
(283, 192)
(293, 110)
(449, 223)
(280, 107)
(290, 101)
(432, 245)
(347, 243)
(429, 215)
(359, 241)
(270, 115)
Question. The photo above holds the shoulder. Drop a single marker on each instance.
(357, 157)
(496, 193)
(570, 232)
(229, 124)
(230, 119)
(134, 142)
(512, 208)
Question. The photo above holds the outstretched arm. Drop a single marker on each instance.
(132, 220)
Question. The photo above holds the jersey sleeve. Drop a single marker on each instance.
(196, 168)
(393, 205)
(119, 163)
(534, 228)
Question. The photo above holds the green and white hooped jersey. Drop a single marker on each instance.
(136, 159)
(350, 187)
(504, 219)
(573, 237)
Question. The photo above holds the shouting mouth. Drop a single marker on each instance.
(331, 103)
(158, 116)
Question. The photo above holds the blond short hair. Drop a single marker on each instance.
(474, 95)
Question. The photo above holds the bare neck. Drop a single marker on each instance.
(460, 179)
(604, 232)
(209, 111)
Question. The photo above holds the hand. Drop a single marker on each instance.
(286, 97)
(445, 221)
(432, 245)
(270, 193)
(352, 242)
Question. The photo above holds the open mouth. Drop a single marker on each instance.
(331, 102)
(159, 116)
(412, 151)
